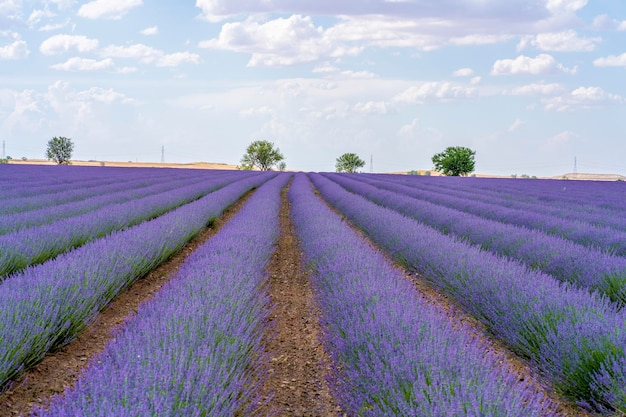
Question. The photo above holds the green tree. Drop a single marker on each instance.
(455, 161)
(60, 149)
(261, 154)
(349, 162)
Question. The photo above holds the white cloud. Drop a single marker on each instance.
(560, 140)
(604, 22)
(538, 89)
(107, 9)
(435, 91)
(371, 107)
(37, 15)
(543, 64)
(54, 26)
(84, 64)
(148, 55)
(611, 61)
(475, 80)
(59, 44)
(582, 98)
(558, 6)
(177, 58)
(516, 125)
(21, 109)
(257, 111)
(153, 30)
(567, 41)
(278, 42)
(18, 49)
(102, 95)
(216, 10)
(463, 72)
(409, 129)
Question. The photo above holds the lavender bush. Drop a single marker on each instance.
(45, 306)
(602, 238)
(120, 192)
(566, 261)
(27, 191)
(38, 244)
(549, 197)
(393, 353)
(569, 335)
(193, 349)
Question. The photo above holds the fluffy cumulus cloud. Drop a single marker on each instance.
(565, 6)
(463, 72)
(538, 89)
(153, 30)
(582, 98)
(85, 64)
(542, 64)
(17, 49)
(59, 44)
(611, 61)
(59, 105)
(421, 24)
(567, 41)
(215, 10)
(435, 91)
(107, 9)
(605, 22)
(278, 42)
(148, 55)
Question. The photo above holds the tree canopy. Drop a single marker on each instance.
(349, 162)
(455, 161)
(263, 155)
(60, 149)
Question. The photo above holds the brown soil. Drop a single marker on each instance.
(296, 383)
(60, 369)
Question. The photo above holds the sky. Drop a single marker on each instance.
(535, 87)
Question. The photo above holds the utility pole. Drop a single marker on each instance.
(575, 166)
(162, 154)
(4, 154)
(371, 164)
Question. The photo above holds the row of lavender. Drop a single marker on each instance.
(393, 353)
(565, 260)
(66, 184)
(91, 198)
(554, 199)
(574, 338)
(567, 226)
(34, 245)
(29, 180)
(195, 348)
(45, 306)
(586, 195)
(521, 198)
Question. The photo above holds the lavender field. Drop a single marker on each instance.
(540, 265)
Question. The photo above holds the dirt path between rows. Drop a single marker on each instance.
(296, 385)
(60, 369)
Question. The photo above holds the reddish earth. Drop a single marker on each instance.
(297, 362)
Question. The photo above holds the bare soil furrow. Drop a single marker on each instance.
(296, 384)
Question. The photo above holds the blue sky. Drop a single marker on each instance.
(529, 84)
